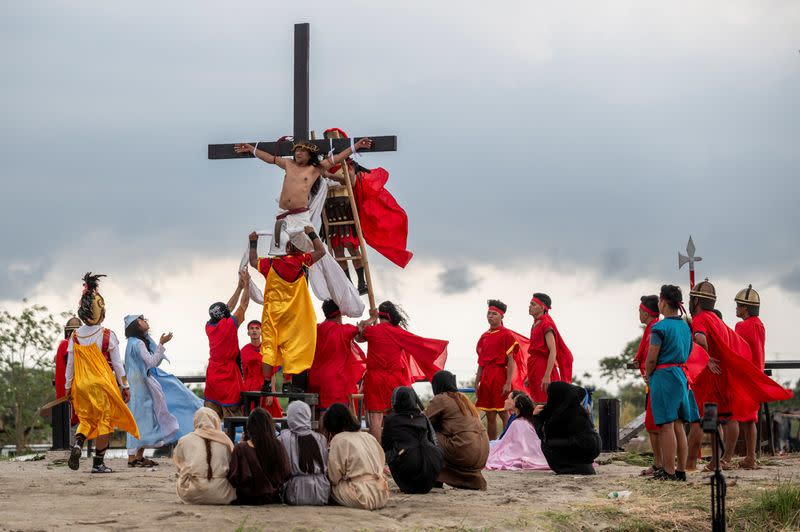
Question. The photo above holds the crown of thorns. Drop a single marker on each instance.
(306, 146)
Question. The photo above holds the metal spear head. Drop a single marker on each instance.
(689, 258)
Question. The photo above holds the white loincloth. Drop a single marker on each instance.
(292, 228)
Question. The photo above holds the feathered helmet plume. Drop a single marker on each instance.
(92, 306)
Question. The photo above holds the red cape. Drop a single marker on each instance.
(423, 357)
(520, 361)
(384, 223)
(743, 385)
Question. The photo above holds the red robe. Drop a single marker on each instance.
(494, 347)
(384, 223)
(520, 361)
(641, 358)
(254, 377)
(741, 386)
(538, 355)
(396, 357)
(223, 379)
(753, 332)
(339, 363)
(61, 375)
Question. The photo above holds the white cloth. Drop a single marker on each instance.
(293, 228)
(326, 277)
(93, 334)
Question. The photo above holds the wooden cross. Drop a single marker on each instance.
(302, 34)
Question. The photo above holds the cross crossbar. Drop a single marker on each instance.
(225, 151)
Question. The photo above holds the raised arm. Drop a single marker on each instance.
(260, 154)
(254, 249)
(339, 157)
(319, 249)
(244, 301)
(237, 293)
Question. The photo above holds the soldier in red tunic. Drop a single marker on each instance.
(496, 350)
(252, 370)
(752, 330)
(549, 357)
(224, 373)
(339, 364)
(730, 379)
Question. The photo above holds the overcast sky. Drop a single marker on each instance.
(568, 148)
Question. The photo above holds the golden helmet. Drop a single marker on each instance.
(748, 297)
(704, 290)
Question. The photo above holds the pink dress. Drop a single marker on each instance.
(519, 449)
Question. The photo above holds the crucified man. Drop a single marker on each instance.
(301, 174)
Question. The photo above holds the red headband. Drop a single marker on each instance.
(539, 302)
(648, 311)
(492, 307)
(334, 314)
(384, 315)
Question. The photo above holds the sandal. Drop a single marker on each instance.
(146, 462)
(135, 463)
(745, 464)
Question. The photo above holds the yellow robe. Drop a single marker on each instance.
(96, 397)
(288, 324)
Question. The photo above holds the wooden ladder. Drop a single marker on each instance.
(355, 221)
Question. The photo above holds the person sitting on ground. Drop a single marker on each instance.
(408, 439)
(202, 458)
(521, 447)
(355, 462)
(460, 432)
(259, 466)
(569, 441)
(509, 407)
(308, 459)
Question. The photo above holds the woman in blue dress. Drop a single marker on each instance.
(162, 406)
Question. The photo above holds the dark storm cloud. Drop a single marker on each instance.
(791, 281)
(457, 280)
(562, 146)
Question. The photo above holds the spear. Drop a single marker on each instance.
(689, 259)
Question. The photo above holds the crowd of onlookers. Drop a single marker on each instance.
(445, 443)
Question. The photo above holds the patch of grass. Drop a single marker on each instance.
(559, 520)
(635, 459)
(775, 509)
(244, 527)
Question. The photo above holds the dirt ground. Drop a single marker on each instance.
(46, 495)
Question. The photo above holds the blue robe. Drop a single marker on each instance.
(161, 404)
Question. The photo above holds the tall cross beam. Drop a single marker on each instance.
(302, 40)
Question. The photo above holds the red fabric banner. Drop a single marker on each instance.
(384, 223)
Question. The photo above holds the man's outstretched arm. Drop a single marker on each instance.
(260, 154)
(338, 158)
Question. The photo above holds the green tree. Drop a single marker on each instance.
(26, 371)
(615, 368)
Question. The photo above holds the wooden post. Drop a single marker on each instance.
(302, 42)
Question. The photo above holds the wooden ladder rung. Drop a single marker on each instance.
(344, 259)
(347, 222)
